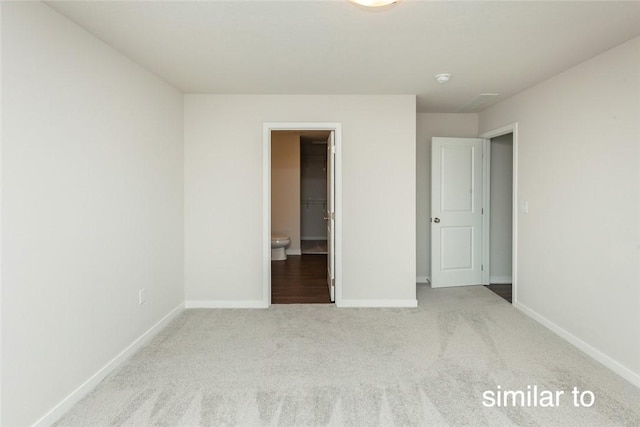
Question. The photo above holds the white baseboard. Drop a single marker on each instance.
(294, 252)
(500, 280)
(226, 304)
(61, 408)
(423, 279)
(378, 303)
(615, 366)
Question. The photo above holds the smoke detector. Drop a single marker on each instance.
(443, 78)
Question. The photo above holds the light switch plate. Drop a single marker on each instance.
(524, 206)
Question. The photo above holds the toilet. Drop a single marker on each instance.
(278, 246)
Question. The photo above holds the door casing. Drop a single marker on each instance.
(513, 129)
(266, 201)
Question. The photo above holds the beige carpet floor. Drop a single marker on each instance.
(304, 365)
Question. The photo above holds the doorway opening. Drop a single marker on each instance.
(302, 213)
(465, 236)
(502, 224)
(299, 215)
(501, 219)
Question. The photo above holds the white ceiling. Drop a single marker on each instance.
(333, 47)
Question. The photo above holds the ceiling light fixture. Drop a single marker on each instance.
(374, 3)
(443, 78)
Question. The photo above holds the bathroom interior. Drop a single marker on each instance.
(298, 210)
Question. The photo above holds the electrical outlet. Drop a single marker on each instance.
(142, 296)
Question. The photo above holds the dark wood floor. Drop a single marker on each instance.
(503, 291)
(300, 279)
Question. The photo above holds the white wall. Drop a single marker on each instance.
(285, 187)
(579, 160)
(500, 235)
(223, 192)
(92, 194)
(428, 126)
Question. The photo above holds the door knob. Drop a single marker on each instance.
(436, 220)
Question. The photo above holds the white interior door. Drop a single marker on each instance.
(330, 215)
(456, 211)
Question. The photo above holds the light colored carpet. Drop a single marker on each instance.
(318, 365)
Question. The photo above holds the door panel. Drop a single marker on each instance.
(330, 215)
(456, 212)
(456, 248)
(457, 179)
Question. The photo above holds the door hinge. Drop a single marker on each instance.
(481, 267)
(482, 211)
(333, 149)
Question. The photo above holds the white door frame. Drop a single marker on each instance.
(486, 210)
(511, 128)
(266, 202)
